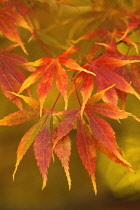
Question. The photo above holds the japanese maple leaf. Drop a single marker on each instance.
(62, 148)
(97, 33)
(51, 67)
(102, 132)
(87, 83)
(105, 139)
(98, 134)
(106, 39)
(109, 69)
(41, 136)
(135, 76)
(86, 149)
(25, 115)
(8, 21)
(129, 73)
(11, 78)
(103, 66)
(63, 152)
(134, 22)
(19, 5)
(126, 39)
(43, 149)
(26, 142)
(66, 125)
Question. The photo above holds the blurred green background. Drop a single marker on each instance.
(117, 187)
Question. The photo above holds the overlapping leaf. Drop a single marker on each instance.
(11, 78)
(86, 88)
(65, 126)
(103, 134)
(105, 138)
(63, 151)
(43, 149)
(134, 22)
(49, 68)
(27, 140)
(86, 149)
(104, 66)
(19, 5)
(8, 21)
(135, 76)
(93, 132)
(19, 117)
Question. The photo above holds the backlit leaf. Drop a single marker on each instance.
(119, 81)
(110, 96)
(65, 126)
(98, 96)
(111, 62)
(63, 151)
(104, 134)
(8, 20)
(71, 64)
(109, 110)
(86, 89)
(27, 140)
(29, 100)
(11, 78)
(62, 82)
(45, 85)
(111, 155)
(43, 149)
(91, 35)
(32, 78)
(86, 149)
(135, 76)
(19, 117)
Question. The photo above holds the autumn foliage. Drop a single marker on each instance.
(90, 65)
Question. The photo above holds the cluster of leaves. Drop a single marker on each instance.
(101, 67)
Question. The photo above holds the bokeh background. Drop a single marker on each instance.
(117, 187)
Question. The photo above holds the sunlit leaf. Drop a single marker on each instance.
(65, 126)
(63, 151)
(27, 140)
(19, 117)
(43, 149)
(86, 149)
(8, 20)
(104, 134)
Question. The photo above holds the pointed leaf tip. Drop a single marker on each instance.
(99, 95)
(43, 149)
(14, 173)
(68, 178)
(63, 151)
(44, 182)
(94, 184)
(86, 149)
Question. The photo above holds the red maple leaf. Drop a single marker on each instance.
(19, 5)
(43, 149)
(97, 133)
(103, 66)
(8, 21)
(11, 78)
(103, 134)
(86, 149)
(51, 67)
